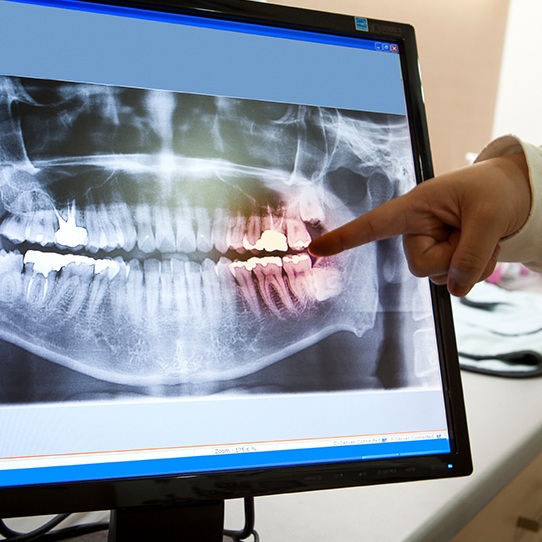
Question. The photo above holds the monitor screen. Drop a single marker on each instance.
(163, 169)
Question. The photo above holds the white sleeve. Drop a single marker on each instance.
(524, 246)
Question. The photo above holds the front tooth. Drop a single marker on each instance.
(220, 231)
(110, 237)
(185, 236)
(145, 236)
(298, 269)
(11, 267)
(268, 271)
(165, 237)
(194, 288)
(297, 233)
(166, 287)
(180, 293)
(203, 230)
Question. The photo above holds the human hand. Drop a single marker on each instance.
(451, 225)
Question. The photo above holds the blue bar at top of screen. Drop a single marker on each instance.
(225, 462)
(219, 24)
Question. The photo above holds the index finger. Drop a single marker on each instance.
(387, 220)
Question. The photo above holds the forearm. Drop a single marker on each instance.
(525, 245)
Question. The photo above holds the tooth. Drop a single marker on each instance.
(14, 227)
(180, 294)
(268, 271)
(108, 238)
(165, 238)
(211, 291)
(41, 227)
(220, 231)
(297, 233)
(327, 282)
(203, 230)
(99, 287)
(272, 222)
(145, 236)
(166, 287)
(228, 289)
(272, 241)
(310, 208)
(194, 288)
(236, 232)
(125, 226)
(135, 292)
(242, 271)
(185, 236)
(298, 269)
(37, 286)
(151, 269)
(253, 229)
(11, 267)
(71, 288)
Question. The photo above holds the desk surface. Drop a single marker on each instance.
(505, 421)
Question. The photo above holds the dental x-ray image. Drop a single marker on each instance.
(155, 243)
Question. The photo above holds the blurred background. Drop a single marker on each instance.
(480, 66)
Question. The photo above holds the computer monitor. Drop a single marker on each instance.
(166, 337)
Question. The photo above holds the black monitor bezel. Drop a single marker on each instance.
(174, 490)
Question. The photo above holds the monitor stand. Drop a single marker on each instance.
(187, 523)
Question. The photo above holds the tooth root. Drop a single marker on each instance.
(297, 233)
(194, 288)
(211, 291)
(166, 287)
(92, 225)
(298, 269)
(220, 231)
(185, 237)
(203, 230)
(272, 222)
(135, 293)
(151, 273)
(253, 229)
(98, 289)
(243, 275)
(180, 292)
(228, 289)
(71, 289)
(145, 236)
(11, 267)
(271, 285)
(165, 238)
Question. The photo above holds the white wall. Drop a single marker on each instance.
(519, 98)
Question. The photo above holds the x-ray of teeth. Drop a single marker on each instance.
(157, 242)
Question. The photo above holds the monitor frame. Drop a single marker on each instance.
(180, 490)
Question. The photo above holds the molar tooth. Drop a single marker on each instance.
(298, 269)
(185, 236)
(327, 282)
(220, 231)
(11, 267)
(145, 235)
(41, 227)
(268, 271)
(203, 230)
(14, 227)
(165, 238)
(297, 233)
(71, 288)
(242, 271)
